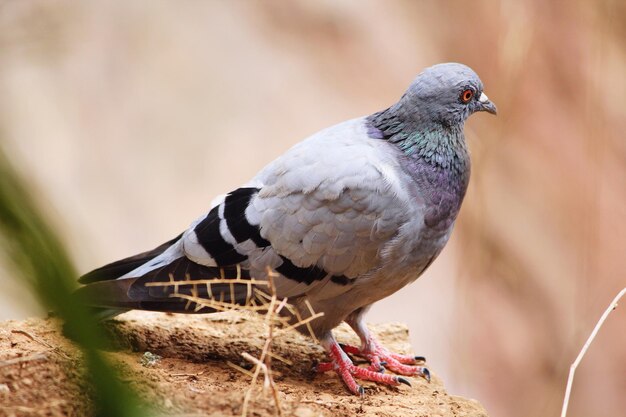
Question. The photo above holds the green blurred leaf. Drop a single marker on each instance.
(36, 255)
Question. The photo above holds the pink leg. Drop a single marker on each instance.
(341, 363)
(378, 355)
(380, 358)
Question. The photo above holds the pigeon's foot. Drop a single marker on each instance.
(381, 358)
(341, 363)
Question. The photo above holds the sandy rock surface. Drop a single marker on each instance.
(41, 372)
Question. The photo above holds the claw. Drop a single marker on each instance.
(403, 380)
(380, 360)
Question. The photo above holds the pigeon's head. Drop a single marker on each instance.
(445, 93)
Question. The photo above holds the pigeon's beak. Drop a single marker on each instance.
(486, 105)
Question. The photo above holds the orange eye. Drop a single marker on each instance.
(466, 96)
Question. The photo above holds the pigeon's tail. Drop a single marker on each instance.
(167, 281)
(122, 267)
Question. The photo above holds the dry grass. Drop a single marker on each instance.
(276, 321)
(572, 370)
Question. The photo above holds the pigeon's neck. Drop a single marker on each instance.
(436, 158)
(437, 144)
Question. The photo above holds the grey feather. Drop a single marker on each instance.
(349, 215)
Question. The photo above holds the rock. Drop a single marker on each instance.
(193, 375)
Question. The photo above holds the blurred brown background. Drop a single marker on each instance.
(127, 118)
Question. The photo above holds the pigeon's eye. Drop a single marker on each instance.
(466, 96)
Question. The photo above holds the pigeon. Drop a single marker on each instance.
(341, 220)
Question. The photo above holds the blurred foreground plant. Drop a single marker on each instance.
(35, 254)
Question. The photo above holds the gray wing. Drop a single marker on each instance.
(321, 216)
(331, 204)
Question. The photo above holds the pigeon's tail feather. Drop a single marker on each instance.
(119, 268)
(102, 314)
(182, 286)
